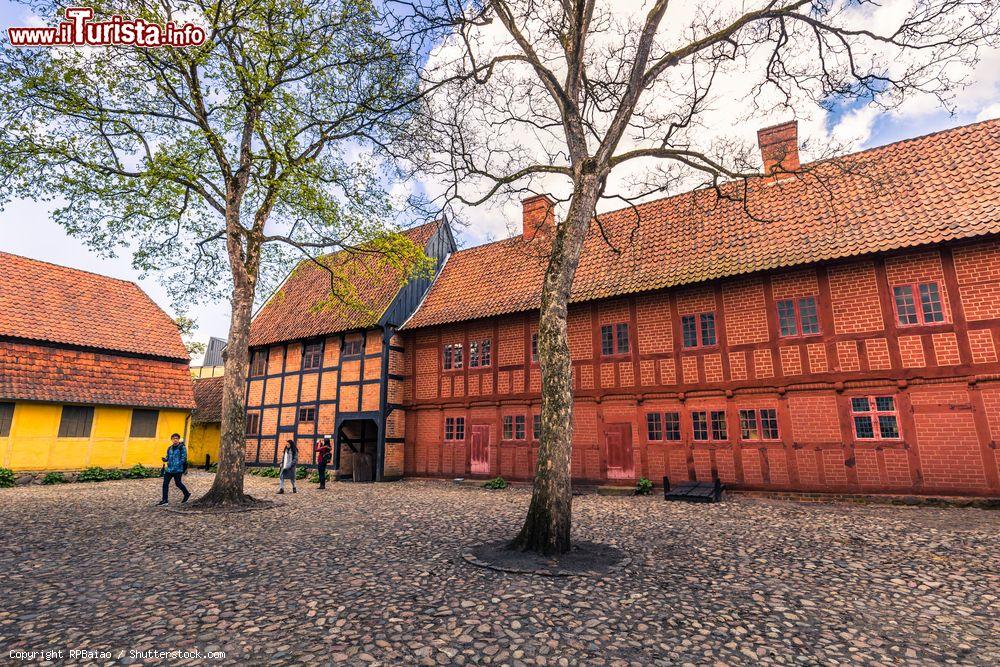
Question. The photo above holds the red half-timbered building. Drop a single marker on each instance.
(335, 370)
(838, 332)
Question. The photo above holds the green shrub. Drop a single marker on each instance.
(263, 472)
(98, 474)
(301, 473)
(7, 478)
(54, 478)
(213, 468)
(314, 478)
(643, 487)
(139, 471)
(496, 483)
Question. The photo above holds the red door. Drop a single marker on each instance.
(479, 456)
(618, 440)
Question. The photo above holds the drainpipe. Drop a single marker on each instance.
(387, 333)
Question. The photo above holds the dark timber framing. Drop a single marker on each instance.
(345, 409)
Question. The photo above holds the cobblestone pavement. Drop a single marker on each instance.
(372, 574)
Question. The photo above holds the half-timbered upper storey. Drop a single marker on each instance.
(333, 369)
(834, 330)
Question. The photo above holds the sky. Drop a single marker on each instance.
(26, 228)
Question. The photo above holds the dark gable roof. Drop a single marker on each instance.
(290, 314)
(56, 304)
(940, 187)
(208, 397)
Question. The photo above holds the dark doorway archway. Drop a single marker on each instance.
(356, 451)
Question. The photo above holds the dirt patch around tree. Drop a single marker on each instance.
(585, 559)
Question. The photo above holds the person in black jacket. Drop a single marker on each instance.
(322, 452)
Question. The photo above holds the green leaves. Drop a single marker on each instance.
(269, 132)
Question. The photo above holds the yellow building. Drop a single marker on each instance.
(92, 372)
(206, 421)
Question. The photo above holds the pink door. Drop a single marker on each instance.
(479, 457)
(618, 440)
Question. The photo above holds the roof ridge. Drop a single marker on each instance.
(73, 268)
(949, 192)
(660, 200)
(52, 295)
(870, 149)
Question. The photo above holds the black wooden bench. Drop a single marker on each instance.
(693, 492)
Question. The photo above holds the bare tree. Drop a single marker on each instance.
(580, 93)
(218, 163)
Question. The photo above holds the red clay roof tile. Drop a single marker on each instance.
(939, 187)
(30, 372)
(57, 304)
(208, 397)
(290, 314)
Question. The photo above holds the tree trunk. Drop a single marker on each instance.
(228, 486)
(546, 529)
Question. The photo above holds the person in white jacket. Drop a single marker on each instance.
(289, 459)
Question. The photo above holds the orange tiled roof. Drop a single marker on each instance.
(56, 304)
(30, 372)
(208, 397)
(289, 313)
(939, 187)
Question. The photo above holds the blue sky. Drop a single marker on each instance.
(26, 229)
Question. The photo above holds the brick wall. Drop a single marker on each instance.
(855, 298)
(809, 381)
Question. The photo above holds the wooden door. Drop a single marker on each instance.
(618, 443)
(479, 451)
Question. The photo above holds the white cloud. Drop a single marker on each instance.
(989, 112)
(727, 117)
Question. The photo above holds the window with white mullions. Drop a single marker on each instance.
(452, 357)
(454, 428)
(654, 426)
(930, 303)
(698, 330)
(614, 339)
(759, 424)
(479, 353)
(672, 426)
(514, 427)
(748, 425)
(519, 426)
(699, 425)
(709, 426)
(798, 317)
(707, 321)
(719, 429)
(909, 312)
(875, 418)
(312, 356)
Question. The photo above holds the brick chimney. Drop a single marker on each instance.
(538, 216)
(779, 148)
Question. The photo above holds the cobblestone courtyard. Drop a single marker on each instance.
(377, 578)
